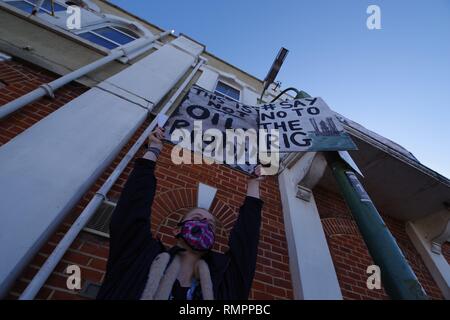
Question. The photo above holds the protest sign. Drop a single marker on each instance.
(301, 125)
(305, 125)
(220, 113)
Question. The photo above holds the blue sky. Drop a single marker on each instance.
(394, 81)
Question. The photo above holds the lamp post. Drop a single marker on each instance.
(397, 276)
(274, 69)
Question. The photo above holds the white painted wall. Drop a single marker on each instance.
(208, 79)
(249, 96)
(210, 76)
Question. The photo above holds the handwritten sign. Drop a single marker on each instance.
(302, 125)
(215, 112)
(305, 125)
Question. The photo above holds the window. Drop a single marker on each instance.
(225, 90)
(28, 5)
(109, 37)
(47, 6)
(106, 33)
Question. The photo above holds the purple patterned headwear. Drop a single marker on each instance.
(198, 234)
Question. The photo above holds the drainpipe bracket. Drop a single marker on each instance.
(443, 236)
(203, 60)
(303, 193)
(48, 90)
(101, 194)
(436, 247)
(124, 57)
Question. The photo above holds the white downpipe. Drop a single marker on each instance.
(47, 268)
(49, 88)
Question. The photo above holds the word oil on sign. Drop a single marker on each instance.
(305, 125)
(218, 128)
(220, 113)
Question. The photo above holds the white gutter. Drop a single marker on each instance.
(49, 88)
(47, 268)
(370, 138)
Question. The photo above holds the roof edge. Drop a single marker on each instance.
(162, 30)
(412, 161)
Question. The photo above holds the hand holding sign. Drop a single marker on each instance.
(258, 172)
(156, 136)
(253, 183)
(154, 144)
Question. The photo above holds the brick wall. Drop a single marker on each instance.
(349, 252)
(176, 193)
(18, 78)
(446, 251)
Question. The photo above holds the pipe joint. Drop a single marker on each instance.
(49, 92)
(101, 194)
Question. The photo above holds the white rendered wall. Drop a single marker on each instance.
(422, 233)
(312, 269)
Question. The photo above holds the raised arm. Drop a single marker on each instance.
(130, 221)
(244, 239)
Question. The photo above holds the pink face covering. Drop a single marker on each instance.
(198, 234)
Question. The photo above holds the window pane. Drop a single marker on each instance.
(28, 6)
(127, 31)
(22, 5)
(57, 7)
(227, 90)
(114, 35)
(98, 40)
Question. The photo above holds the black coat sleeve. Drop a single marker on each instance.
(243, 244)
(130, 221)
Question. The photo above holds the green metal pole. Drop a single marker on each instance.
(397, 276)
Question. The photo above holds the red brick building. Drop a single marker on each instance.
(309, 249)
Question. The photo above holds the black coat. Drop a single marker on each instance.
(133, 248)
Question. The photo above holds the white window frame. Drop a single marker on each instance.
(231, 86)
(41, 8)
(92, 29)
(105, 20)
